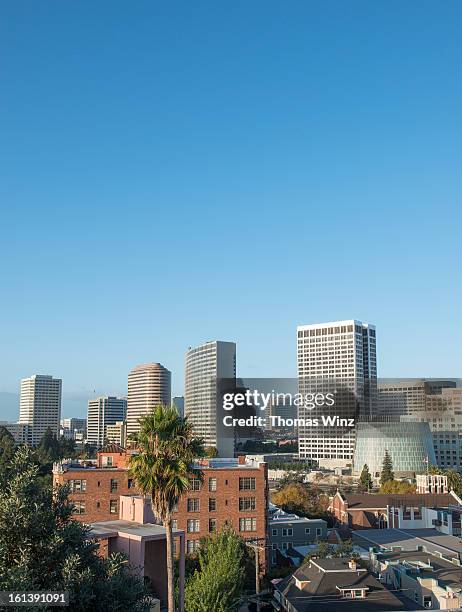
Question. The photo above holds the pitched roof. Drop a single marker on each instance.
(112, 448)
(325, 577)
(382, 500)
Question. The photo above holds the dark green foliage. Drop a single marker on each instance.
(365, 480)
(43, 548)
(217, 584)
(387, 469)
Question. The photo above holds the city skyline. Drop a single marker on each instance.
(302, 164)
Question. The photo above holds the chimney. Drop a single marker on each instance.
(352, 564)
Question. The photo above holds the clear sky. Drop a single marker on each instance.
(175, 172)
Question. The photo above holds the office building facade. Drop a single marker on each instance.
(103, 412)
(40, 405)
(205, 366)
(149, 385)
(339, 356)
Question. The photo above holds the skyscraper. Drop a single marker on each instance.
(178, 404)
(104, 411)
(339, 353)
(205, 365)
(40, 405)
(148, 386)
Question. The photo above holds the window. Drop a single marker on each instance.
(130, 483)
(98, 504)
(77, 486)
(79, 507)
(193, 504)
(194, 484)
(247, 524)
(286, 545)
(274, 532)
(113, 506)
(307, 530)
(193, 526)
(175, 507)
(114, 485)
(174, 524)
(107, 461)
(212, 484)
(287, 531)
(427, 601)
(318, 531)
(192, 546)
(247, 484)
(353, 594)
(212, 504)
(247, 503)
(212, 525)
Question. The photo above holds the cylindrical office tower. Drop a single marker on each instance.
(148, 386)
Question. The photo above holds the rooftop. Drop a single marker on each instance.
(427, 566)
(321, 582)
(431, 540)
(379, 500)
(136, 531)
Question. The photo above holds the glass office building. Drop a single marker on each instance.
(410, 445)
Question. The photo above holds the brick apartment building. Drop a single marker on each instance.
(233, 491)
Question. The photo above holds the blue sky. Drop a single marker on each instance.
(172, 173)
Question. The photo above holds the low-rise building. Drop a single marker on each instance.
(135, 534)
(425, 579)
(371, 510)
(323, 584)
(117, 433)
(422, 564)
(287, 531)
(231, 491)
(19, 431)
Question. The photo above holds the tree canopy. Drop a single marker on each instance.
(302, 499)
(43, 548)
(217, 583)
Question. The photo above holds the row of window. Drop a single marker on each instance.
(245, 503)
(245, 484)
(194, 525)
(79, 485)
(288, 531)
(80, 506)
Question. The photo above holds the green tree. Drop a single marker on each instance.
(397, 486)
(322, 551)
(43, 548)
(211, 452)
(7, 448)
(344, 549)
(387, 469)
(365, 480)
(166, 449)
(217, 584)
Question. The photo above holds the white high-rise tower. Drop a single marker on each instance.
(40, 405)
(205, 366)
(344, 353)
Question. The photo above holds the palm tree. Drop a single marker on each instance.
(162, 466)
